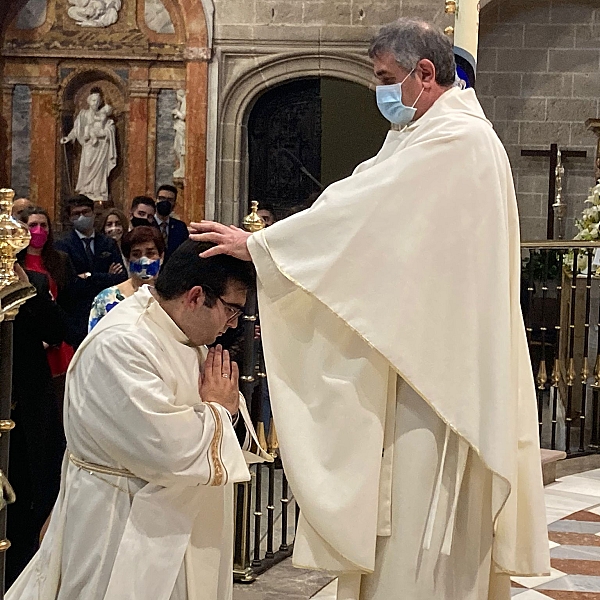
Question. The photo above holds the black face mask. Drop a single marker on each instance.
(140, 222)
(164, 208)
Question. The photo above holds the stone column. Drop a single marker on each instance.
(6, 135)
(196, 121)
(137, 154)
(44, 150)
(151, 145)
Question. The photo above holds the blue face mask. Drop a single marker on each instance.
(144, 268)
(389, 102)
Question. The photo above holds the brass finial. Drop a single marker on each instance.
(555, 378)
(450, 7)
(542, 376)
(253, 222)
(14, 237)
(449, 30)
(596, 383)
(585, 370)
(571, 373)
(273, 441)
(260, 434)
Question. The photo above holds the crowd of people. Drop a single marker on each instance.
(99, 261)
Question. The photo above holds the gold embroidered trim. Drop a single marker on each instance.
(94, 468)
(220, 476)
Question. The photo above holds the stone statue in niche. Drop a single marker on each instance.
(95, 131)
(179, 126)
(94, 13)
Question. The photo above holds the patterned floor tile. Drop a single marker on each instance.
(577, 552)
(573, 583)
(573, 539)
(576, 567)
(572, 526)
(530, 595)
(565, 595)
(584, 515)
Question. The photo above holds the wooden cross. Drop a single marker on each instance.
(594, 125)
(552, 154)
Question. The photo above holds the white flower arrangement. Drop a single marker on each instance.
(589, 231)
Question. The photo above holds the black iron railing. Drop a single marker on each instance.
(560, 299)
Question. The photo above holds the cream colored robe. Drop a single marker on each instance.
(397, 294)
(132, 402)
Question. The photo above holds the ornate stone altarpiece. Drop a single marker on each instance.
(152, 45)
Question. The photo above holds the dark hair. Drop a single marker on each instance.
(185, 270)
(101, 220)
(167, 188)
(142, 200)
(141, 235)
(75, 201)
(51, 257)
(267, 207)
(411, 40)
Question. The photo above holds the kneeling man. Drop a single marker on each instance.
(145, 508)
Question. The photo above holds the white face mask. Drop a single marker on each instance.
(389, 102)
(114, 231)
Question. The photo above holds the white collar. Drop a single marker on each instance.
(85, 237)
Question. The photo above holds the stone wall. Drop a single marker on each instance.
(315, 20)
(539, 80)
(21, 141)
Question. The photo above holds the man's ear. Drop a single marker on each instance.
(196, 296)
(427, 72)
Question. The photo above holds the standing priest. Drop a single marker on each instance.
(145, 509)
(398, 365)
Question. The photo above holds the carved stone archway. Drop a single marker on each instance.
(254, 74)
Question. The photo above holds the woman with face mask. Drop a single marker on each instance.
(42, 257)
(115, 225)
(144, 250)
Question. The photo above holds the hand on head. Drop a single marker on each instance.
(229, 239)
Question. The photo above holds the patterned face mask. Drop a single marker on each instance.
(144, 268)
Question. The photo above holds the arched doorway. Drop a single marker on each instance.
(305, 134)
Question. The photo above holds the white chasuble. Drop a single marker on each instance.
(399, 371)
(164, 529)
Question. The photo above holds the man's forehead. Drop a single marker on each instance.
(235, 292)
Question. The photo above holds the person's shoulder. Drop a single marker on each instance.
(63, 243)
(106, 294)
(116, 337)
(178, 222)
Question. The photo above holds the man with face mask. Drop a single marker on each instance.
(96, 258)
(397, 359)
(173, 230)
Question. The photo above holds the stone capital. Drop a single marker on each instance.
(197, 54)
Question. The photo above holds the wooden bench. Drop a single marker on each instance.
(549, 460)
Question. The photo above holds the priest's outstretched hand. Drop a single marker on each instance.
(229, 239)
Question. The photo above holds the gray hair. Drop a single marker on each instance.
(411, 40)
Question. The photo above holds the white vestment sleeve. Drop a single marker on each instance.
(135, 416)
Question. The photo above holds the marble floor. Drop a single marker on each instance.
(573, 515)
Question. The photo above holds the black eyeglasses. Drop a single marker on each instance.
(233, 310)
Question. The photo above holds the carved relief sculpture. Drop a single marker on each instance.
(179, 126)
(94, 13)
(95, 131)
